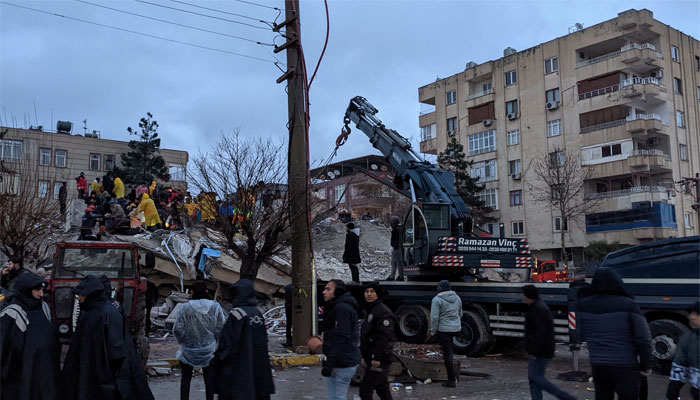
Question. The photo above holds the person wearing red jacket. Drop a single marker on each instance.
(82, 185)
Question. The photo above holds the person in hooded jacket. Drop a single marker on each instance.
(101, 362)
(376, 344)
(243, 368)
(686, 362)
(618, 337)
(351, 255)
(340, 338)
(29, 349)
(446, 322)
(197, 329)
(119, 189)
(396, 254)
(148, 207)
(10, 275)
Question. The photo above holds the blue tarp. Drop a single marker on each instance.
(210, 253)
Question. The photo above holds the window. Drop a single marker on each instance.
(451, 97)
(320, 194)
(356, 193)
(675, 54)
(513, 137)
(684, 152)
(557, 224)
(485, 171)
(551, 65)
(11, 150)
(554, 128)
(697, 63)
(511, 78)
(95, 162)
(9, 184)
(558, 191)
(491, 228)
(489, 197)
(45, 157)
(677, 86)
(384, 191)
(698, 93)
(610, 150)
(427, 132)
(61, 157)
(177, 173)
(452, 125)
(557, 159)
(518, 228)
(482, 142)
(516, 198)
(43, 189)
(680, 119)
(340, 194)
(514, 167)
(57, 189)
(109, 162)
(486, 87)
(512, 107)
(688, 220)
(553, 95)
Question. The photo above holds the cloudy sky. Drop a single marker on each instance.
(55, 68)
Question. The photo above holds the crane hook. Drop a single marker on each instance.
(344, 133)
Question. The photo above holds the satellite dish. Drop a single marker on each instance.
(578, 25)
(384, 168)
(331, 174)
(336, 172)
(373, 166)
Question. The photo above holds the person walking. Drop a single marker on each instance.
(376, 344)
(244, 370)
(340, 339)
(446, 322)
(396, 253)
(197, 329)
(29, 350)
(9, 276)
(686, 362)
(539, 345)
(351, 255)
(618, 337)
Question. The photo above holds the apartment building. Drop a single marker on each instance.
(48, 159)
(624, 94)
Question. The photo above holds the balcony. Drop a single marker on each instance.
(638, 161)
(481, 97)
(630, 51)
(630, 89)
(647, 220)
(479, 94)
(427, 118)
(649, 159)
(638, 58)
(627, 192)
(604, 125)
(623, 199)
(429, 146)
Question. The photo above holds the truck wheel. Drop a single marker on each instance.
(143, 348)
(474, 337)
(138, 324)
(665, 334)
(413, 322)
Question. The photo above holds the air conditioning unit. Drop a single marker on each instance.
(552, 105)
(657, 74)
(512, 116)
(450, 133)
(515, 177)
(653, 141)
(488, 122)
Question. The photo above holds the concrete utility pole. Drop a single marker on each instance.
(303, 271)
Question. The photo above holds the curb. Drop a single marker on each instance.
(294, 360)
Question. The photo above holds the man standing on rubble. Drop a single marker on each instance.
(351, 255)
(446, 322)
(376, 344)
(10, 276)
(396, 253)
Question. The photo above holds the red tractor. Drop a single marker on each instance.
(547, 271)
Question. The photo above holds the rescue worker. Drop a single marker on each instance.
(82, 185)
(351, 255)
(29, 347)
(96, 186)
(10, 274)
(244, 370)
(148, 207)
(396, 254)
(119, 189)
(108, 183)
(376, 344)
(686, 362)
(446, 322)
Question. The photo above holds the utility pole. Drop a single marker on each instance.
(696, 203)
(303, 271)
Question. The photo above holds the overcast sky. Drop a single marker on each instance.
(383, 50)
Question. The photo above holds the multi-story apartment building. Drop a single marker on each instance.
(624, 94)
(51, 159)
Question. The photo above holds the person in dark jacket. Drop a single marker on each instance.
(539, 345)
(288, 313)
(686, 362)
(618, 337)
(340, 339)
(243, 370)
(10, 275)
(376, 344)
(101, 362)
(62, 197)
(108, 183)
(396, 254)
(351, 255)
(29, 347)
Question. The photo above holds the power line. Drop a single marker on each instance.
(202, 15)
(138, 33)
(175, 23)
(259, 5)
(219, 11)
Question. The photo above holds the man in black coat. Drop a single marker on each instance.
(340, 338)
(351, 255)
(29, 347)
(108, 183)
(618, 337)
(539, 345)
(376, 344)
(243, 370)
(101, 362)
(10, 275)
(396, 253)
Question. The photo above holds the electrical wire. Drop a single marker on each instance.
(175, 23)
(220, 11)
(200, 14)
(137, 33)
(325, 45)
(259, 5)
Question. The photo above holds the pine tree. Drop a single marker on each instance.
(454, 160)
(143, 163)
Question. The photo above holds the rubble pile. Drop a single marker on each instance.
(419, 351)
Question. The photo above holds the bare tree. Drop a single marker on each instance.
(560, 182)
(246, 176)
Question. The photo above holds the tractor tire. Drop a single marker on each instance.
(413, 323)
(137, 323)
(474, 338)
(142, 349)
(665, 334)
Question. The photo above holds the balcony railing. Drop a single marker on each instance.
(640, 81)
(426, 111)
(599, 92)
(614, 54)
(605, 125)
(479, 94)
(646, 152)
(625, 192)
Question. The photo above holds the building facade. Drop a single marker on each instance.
(623, 94)
(53, 159)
